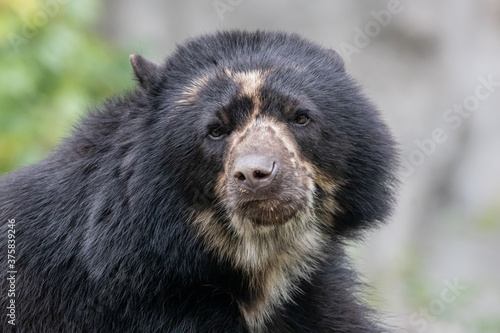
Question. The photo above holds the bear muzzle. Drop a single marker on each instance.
(255, 172)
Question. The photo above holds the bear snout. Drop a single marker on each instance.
(253, 172)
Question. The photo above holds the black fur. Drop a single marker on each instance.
(103, 226)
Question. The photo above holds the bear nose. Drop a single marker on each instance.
(255, 171)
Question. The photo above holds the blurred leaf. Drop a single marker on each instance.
(490, 220)
(53, 66)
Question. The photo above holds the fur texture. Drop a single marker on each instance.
(136, 222)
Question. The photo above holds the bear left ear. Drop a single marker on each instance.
(339, 62)
(145, 71)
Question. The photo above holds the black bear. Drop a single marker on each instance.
(218, 196)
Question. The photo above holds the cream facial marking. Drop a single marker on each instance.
(192, 90)
(250, 83)
(268, 130)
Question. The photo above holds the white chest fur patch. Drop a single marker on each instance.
(275, 258)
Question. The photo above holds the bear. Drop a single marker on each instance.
(217, 196)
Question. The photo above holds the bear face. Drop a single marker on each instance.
(283, 108)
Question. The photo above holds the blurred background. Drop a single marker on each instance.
(432, 67)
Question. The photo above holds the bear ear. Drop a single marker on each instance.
(145, 71)
(338, 61)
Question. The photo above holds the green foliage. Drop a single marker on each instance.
(51, 71)
(489, 221)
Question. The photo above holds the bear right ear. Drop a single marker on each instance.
(145, 71)
(339, 62)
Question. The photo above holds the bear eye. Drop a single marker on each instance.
(301, 120)
(216, 133)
